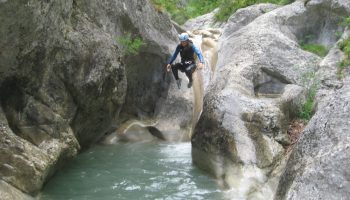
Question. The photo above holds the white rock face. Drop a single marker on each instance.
(318, 167)
(258, 86)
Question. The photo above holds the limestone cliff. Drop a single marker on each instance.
(259, 86)
(64, 78)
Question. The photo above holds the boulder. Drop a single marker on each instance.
(244, 16)
(329, 77)
(8, 192)
(318, 167)
(25, 165)
(258, 87)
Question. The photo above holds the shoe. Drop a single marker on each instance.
(189, 85)
(178, 82)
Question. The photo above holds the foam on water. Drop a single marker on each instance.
(133, 171)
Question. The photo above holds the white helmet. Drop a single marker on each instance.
(184, 37)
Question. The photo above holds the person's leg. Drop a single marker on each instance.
(175, 68)
(189, 74)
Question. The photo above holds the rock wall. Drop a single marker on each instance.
(259, 86)
(318, 167)
(64, 78)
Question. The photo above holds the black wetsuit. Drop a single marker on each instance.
(188, 64)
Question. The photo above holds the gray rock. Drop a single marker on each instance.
(144, 71)
(204, 22)
(178, 27)
(258, 87)
(7, 192)
(244, 16)
(329, 77)
(64, 78)
(319, 166)
(25, 165)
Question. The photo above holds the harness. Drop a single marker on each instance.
(187, 54)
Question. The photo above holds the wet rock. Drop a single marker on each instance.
(25, 165)
(134, 131)
(7, 192)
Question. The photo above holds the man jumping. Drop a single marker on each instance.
(187, 65)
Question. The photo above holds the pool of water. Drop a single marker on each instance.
(148, 170)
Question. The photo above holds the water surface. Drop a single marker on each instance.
(132, 171)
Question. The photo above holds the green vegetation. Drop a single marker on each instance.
(345, 22)
(131, 45)
(317, 49)
(228, 7)
(345, 47)
(341, 67)
(307, 109)
(181, 13)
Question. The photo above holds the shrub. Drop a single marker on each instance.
(345, 47)
(341, 67)
(181, 13)
(317, 49)
(228, 7)
(311, 83)
(345, 22)
(307, 108)
(130, 45)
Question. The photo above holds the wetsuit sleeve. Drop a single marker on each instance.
(199, 54)
(171, 60)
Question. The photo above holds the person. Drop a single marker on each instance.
(187, 49)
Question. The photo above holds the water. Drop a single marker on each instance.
(132, 171)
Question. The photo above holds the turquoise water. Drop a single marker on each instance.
(132, 171)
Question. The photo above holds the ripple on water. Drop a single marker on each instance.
(132, 171)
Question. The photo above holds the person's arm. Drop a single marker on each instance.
(171, 60)
(199, 54)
